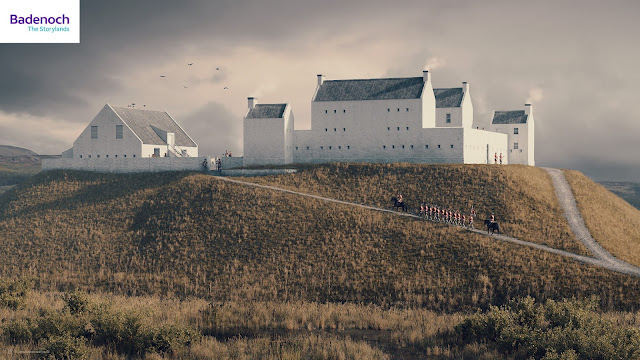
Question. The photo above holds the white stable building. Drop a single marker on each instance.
(124, 132)
(384, 120)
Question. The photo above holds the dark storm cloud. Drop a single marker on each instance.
(215, 129)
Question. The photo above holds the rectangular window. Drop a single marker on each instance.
(452, 146)
(403, 146)
(325, 129)
(515, 131)
(393, 146)
(412, 146)
(407, 109)
(107, 156)
(321, 147)
(296, 148)
(407, 128)
(326, 112)
(116, 155)
(334, 129)
(134, 155)
(339, 147)
(344, 129)
(438, 146)
(384, 146)
(98, 156)
(344, 111)
(329, 147)
(388, 110)
(307, 148)
(80, 156)
(335, 111)
(348, 147)
(94, 132)
(426, 146)
(448, 118)
(398, 109)
(388, 128)
(125, 155)
(515, 146)
(118, 131)
(398, 128)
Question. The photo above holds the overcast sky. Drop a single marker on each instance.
(577, 62)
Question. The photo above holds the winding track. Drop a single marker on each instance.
(602, 257)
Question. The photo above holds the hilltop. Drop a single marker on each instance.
(16, 165)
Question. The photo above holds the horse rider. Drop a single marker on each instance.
(400, 198)
(492, 218)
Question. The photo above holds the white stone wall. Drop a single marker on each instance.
(456, 117)
(523, 154)
(481, 146)
(268, 141)
(128, 165)
(106, 144)
(147, 150)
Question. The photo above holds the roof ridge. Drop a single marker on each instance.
(391, 78)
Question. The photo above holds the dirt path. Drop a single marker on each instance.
(576, 222)
(616, 265)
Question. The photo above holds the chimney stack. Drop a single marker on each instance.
(320, 79)
(465, 87)
(528, 110)
(252, 102)
(426, 76)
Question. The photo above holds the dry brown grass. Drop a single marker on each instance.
(522, 197)
(613, 222)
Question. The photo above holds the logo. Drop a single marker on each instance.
(40, 21)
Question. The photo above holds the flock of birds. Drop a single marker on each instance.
(133, 105)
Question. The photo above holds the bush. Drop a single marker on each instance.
(553, 330)
(66, 347)
(13, 293)
(18, 331)
(76, 301)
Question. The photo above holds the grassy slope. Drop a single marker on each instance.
(613, 222)
(522, 197)
(170, 234)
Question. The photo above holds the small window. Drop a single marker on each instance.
(452, 146)
(426, 146)
(412, 146)
(407, 128)
(325, 129)
(89, 156)
(125, 155)
(94, 132)
(344, 129)
(407, 109)
(403, 146)
(307, 148)
(339, 147)
(393, 146)
(388, 110)
(80, 156)
(448, 118)
(515, 131)
(118, 131)
(344, 111)
(116, 155)
(321, 147)
(107, 156)
(326, 111)
(388, 128)
(329, 147)
(348, 147)
(296, 148)
(334, 129)
(384, 146)
(398, 128)
(134, 155)
(335, 111)
(515, 146)
(398, 109)
(438, 146)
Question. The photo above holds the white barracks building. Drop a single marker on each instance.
(387, 120)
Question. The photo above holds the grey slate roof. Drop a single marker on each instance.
(510, 117)
(267, 111)
(448, 98)
(370, 89)
(141, 122)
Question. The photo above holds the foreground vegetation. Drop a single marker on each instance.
(77, 325)
(522, 197)
(613, 222)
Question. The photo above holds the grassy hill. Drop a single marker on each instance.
(221, 259)
(612, 221)
(16, 165)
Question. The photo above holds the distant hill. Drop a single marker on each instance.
(629, 191)
(16, 165)
(193, 235)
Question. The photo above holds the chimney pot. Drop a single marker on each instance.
(426, 76)
(465, 87)
(528, 109)
(320, 79)
(252, 102)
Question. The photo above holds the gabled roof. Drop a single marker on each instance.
(370, 89)
(448, 98)
(142, 122)
(509, 117)
(267, 111)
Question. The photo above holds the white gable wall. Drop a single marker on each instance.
(106, 144)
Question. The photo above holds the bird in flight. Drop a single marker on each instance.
(162, 76)
(184, 86)
(226, 88)
(217, 68)
(190, 64)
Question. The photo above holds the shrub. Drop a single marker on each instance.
(18, 331)
(76, 301)
(13, 293)
(66, 347)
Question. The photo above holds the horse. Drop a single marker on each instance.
(399, 204)
(493, 226)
